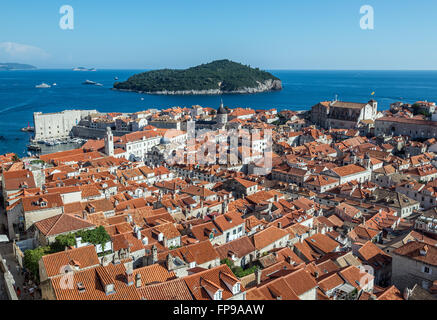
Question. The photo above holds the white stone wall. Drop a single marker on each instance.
(34, 216)
(408, 272)
(139, 149)
(309, 295)
(71, 197)
(234, 233)
(57, 125)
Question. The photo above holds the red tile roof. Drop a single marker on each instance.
(54, 263)
(93, 282)
(62, 223)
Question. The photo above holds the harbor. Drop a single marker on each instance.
(39, 147)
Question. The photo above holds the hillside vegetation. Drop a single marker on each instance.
(223, 75)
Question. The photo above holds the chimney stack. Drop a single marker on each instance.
(138, 280)
(129, 273)
(258, 276)
(170, 264)
(145, 241)
(154, 254)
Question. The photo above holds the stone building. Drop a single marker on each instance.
(109, 142)
(414, 128)
(339, 114)
(220, 121)
(414, 263)
(222, 115)
(58, 125)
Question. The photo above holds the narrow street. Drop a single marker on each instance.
(19, 276)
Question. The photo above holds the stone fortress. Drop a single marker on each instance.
(58, 125)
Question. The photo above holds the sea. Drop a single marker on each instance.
(19, 98)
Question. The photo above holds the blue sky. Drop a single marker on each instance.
(273, 34)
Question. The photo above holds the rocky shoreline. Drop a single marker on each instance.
(266, 86)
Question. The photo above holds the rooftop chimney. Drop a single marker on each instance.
(145, 241)
(258, 276)
(129, 277)
(170, 264)
(154, 254)
(138, 280)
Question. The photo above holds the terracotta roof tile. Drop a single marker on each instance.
(86, 256)
(62, 223)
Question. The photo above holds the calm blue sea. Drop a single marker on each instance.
(19, 98)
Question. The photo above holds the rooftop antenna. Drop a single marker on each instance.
(336, 97)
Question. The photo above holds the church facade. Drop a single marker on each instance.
(339, 114)
(220, 121)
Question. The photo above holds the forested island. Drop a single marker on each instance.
(16, 66)
(217, 77)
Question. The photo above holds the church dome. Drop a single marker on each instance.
(165, 140)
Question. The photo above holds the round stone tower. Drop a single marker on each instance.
(222, 114)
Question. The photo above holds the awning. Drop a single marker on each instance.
(4, 238)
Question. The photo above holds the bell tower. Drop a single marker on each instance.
(109, 142)
(222, 114)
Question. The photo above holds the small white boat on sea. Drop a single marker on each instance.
(43, 85)
(89, 82)
(50, 143)
(54, 84)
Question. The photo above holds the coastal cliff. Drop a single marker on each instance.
(217, 77)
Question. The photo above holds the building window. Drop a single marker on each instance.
(218, 295)
(236, 288)
(426, 270)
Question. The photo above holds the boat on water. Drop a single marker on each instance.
(34, 147)
(28, 128)
(54, 84)
(116, 78)
(89, 82)
(84, 69)
(77, 140)
(50, 143)
(43, 85)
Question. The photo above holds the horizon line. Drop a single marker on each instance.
(268, 69)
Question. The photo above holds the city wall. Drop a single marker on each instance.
(8, 280)
(94, 133)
